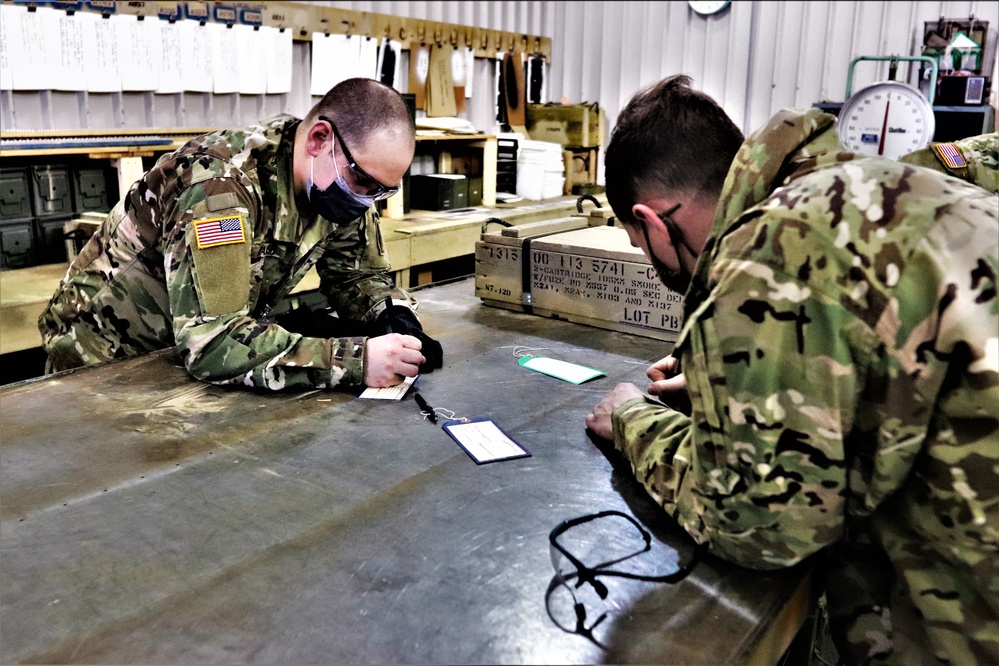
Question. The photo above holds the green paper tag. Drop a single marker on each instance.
(569, 372)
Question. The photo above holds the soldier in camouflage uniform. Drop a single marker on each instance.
(205, 244)
(975, 159)
(840, 361)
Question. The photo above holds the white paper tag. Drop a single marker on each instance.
(570, 372)
(389, 392)
(484, 441)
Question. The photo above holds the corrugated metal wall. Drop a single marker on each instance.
(754, 58)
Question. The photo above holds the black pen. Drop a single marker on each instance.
(425, 407)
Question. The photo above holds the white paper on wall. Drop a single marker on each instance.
(469, 54)
(367, 61)
(100, 51)
(72, 74)
(280, 58)
(11, 45)
(348, 62)
(196, 56)
(458, 68)
(225, 63)
(324, 49)
(171, 75)
(251, 48)
(36, 66)
(140, 48)
(335, 58)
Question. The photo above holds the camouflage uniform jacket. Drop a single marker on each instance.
(840, 350)
(143, 283)
(976, 159)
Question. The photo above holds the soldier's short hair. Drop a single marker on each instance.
(669, 138)
(362, 106)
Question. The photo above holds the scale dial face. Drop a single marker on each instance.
(887, 119)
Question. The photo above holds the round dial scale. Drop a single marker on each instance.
(889, 119)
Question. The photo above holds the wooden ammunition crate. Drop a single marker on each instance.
(590, 275)
(580, 167)
(79, 230)
(580, 125)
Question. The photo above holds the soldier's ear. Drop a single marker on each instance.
(318, 138)
(644, 214)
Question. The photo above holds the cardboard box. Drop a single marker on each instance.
(579, 125)
(589, 275)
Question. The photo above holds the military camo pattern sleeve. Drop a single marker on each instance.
(841, 351)
(974, 159)
(733, 477)
(354, 272)
(209, 289)
(195, 255)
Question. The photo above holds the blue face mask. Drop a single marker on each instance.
(337, 203)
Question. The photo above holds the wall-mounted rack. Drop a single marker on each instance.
(304, 19)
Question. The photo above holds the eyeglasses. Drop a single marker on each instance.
(621, 542)
(375, 189)
(674, 234)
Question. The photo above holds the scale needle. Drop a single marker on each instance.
(884, 129)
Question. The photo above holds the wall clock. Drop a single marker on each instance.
(708, 7)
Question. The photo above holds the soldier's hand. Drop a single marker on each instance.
(669, 384)
(391, 358)
(664, 368)
(397, 319)
(599, 420)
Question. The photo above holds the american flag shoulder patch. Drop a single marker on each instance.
(951, 156)
(219, 231)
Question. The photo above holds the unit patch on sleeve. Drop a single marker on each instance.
(950, 155)
(219, 231)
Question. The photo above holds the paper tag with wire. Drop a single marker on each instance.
(569, 372)
(484, 441)
(396, 392)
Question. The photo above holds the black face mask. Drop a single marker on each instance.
(677, 280)
(338, 203)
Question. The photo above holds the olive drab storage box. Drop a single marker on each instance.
(51, 191)
(92, 189)
(590, 275)
(15, 193)
(17, 249)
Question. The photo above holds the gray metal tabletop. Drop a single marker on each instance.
(151, 518)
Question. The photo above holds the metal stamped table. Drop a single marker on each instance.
(151, 518)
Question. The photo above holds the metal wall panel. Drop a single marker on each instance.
(755, 58)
